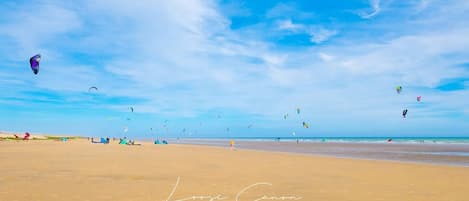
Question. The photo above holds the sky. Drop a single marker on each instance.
(206, 66)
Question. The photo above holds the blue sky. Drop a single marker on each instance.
(189, 62)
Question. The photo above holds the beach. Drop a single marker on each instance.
(80, 170)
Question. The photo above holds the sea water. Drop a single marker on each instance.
(409, 140)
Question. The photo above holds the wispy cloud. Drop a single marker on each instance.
(325, 57)
(289, 25)
(317, 33)
(193, 66)
(320, 35)
(375, 10)
(31, 32)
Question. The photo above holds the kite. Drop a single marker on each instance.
(399, 89)
(285, 116)
(419, 98)
(34, 62)
(404, 112)
(95, 88)
(306, 125)
(131, 109)
(298, 110)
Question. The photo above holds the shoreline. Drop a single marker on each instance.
(368, 140)
(438, 154)
(427, 153)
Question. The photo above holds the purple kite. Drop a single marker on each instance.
(34, 61)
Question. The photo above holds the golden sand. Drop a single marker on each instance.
(79, 170)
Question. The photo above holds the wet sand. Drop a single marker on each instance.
(79, 170)
(447, 154)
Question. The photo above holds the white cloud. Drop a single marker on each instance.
(325, 57)
(317, 34)
(289, 25)
(284, 14)
(320, 35)
(287, 77)
(376, 9)
(274, 59)
(31, 30)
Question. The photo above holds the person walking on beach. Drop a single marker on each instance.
(232, 144)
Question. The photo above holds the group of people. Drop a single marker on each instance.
(124, 141)
(25, 137)
(127, 142)
(157, 141)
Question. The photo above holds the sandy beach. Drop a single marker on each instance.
(79, 170)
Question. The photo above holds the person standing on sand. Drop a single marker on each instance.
(232, 144)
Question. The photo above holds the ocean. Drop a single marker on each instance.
(410, 140)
